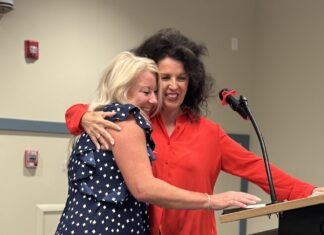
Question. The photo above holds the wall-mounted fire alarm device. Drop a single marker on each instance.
(31, 158)
(31, 49)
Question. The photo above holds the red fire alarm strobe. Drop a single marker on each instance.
(31, 49)
(31, 158)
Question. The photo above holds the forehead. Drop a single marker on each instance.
(170, 65)
(146, 78)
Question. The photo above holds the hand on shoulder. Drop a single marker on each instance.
(98, 128)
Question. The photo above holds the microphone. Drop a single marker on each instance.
(227, 97)
(241, 106)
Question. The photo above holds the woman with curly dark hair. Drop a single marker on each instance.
(191, 150)
(170, 43)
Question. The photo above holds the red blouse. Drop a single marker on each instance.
(192, 158)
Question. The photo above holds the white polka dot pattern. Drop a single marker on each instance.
(98, 199)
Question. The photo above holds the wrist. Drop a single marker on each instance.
(208, 202)
(82, 121)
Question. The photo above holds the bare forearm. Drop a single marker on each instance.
(158, 192)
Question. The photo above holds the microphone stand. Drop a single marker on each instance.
(244, 103)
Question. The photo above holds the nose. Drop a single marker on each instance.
(173, 83)
(153, 99)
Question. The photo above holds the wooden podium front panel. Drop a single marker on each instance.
(302, 221)
(297, 217)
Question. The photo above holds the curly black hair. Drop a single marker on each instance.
(172, 43)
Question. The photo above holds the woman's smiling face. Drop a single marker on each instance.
(174, 83)
(143, 92)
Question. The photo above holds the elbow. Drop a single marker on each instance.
(141, 196)
(142, 192)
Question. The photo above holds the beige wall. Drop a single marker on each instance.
(278, 66)
(287, 89)
(22, 189)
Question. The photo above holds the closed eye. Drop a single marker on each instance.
(165, 77)
(182, 78)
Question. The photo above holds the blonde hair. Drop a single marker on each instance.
(119, 77)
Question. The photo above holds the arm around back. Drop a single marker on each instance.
(132, 159)
(73, 116)
(79, 119)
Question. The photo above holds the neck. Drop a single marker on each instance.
(169, 119)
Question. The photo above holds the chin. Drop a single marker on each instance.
(172, 107)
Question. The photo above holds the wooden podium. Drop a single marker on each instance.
(297, 217)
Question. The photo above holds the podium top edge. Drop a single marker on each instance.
(272, 208)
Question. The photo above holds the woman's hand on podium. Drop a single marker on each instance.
(318, 191)
(221, 201)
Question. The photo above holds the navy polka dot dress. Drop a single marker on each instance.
(98, 199)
